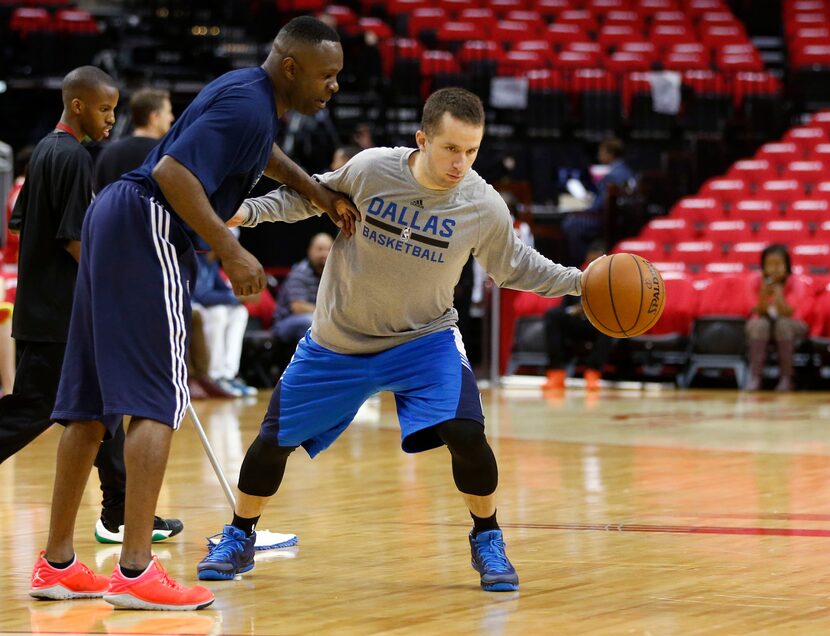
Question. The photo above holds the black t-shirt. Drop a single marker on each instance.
(51, 209)
(120, 157)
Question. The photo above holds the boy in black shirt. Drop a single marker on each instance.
(152, 115)
(49, 213)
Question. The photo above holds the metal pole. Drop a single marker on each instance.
(220, 475)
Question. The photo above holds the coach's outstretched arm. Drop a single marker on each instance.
(338, 206)
(186, 195)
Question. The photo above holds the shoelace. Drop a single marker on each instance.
(493, 555)
(224, 549)
(87, 570)
(165, 578)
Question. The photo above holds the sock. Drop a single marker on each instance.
(484, 524)
(130, 574)
(60, 566)
(244, 524)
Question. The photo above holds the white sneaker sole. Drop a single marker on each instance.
(128, 601)
(61, 593)
(105, 536)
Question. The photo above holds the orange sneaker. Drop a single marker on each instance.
(555, 379)
(154, 590)
(76, 581)
(592, 378)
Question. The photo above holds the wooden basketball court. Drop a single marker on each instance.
(625, 512)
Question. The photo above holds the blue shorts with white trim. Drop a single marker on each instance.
(321, 391)
(128, 336)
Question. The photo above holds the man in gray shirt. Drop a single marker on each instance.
(384, 321)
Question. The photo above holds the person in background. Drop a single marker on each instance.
(778, 315)
(49, 213)
(8, 277)
(224, 319)
(152, 115)
(582, 228)
(362, 136)
(342, 155)
(567, 324)
(21, 165)
(297, 296)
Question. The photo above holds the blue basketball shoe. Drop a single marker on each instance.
(232, 555)
(490, 560)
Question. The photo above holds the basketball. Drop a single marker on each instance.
(623, 295)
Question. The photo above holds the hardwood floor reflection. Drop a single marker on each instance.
(664, 512)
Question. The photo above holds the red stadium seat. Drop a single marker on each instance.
(726, 233)
(748, 253)
(807, 173)
(483, 18)
(668, 231)
(727, 295)
(752, 171)
(719, 268)
(649, 250)
(809, 211)
(755, 211)
(509, 33)
(583, 19)
(787, 232)
(561, 35)
(426, 20)
(727, 190)
(680, 312)
(779, 154)
(782, 191)
(821, 152)
(518, 63)
(813, 255)
(806, 136)
(696, 253)
(697, 210)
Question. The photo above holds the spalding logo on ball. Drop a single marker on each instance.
(623, 295)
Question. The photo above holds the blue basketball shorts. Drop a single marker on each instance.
(321, 391)
(128, 335)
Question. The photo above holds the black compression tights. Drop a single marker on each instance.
(473, 463)
(474, 466)
(263, 468)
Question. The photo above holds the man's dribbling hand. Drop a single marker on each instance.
(588, 269)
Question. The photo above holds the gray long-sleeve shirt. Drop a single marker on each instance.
(393, 280)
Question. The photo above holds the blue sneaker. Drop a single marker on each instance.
(232, 555)
(489, 560)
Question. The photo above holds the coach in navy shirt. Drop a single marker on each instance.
(127, 342)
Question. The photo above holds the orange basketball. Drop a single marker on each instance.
(623, 295)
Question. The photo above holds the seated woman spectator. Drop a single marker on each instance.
(783, 300)
(567, 324)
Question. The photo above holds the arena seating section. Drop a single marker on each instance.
(708, 250)
(587, 67)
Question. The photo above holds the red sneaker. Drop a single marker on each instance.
(76, 581)
(154, 590)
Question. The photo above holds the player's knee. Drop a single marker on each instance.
(463, 437)
(263, 468)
